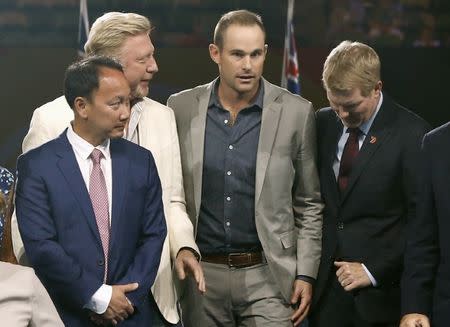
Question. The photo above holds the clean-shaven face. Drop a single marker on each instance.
(352, 107)
(241, 58)
(109, 108)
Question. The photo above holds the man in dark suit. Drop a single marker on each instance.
(89, 206)
(368, 153)
(426, 278)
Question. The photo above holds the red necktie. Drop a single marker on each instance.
(99, 198)
(349, 154)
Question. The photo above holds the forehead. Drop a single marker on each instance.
(136, 45)
(243, 37)
(345, 97)
(112, 82)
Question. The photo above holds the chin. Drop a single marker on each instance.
(140, 92)
(116, 135)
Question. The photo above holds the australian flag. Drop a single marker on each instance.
(290, 74)
(83, 27)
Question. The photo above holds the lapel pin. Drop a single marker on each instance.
(373, 139)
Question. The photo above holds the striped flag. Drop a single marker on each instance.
(290, 74)
(83, 27)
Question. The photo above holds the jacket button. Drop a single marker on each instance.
(100, 262)
(340, 225)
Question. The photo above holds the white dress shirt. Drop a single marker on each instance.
(100, 300)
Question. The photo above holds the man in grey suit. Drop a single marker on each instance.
(248, 155)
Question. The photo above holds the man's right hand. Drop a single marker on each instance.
(415, 320)
(119, 307)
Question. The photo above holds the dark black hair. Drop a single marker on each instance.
(81, 77)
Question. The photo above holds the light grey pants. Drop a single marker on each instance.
(243, 297)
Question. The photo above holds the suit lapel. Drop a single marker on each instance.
(269, 126)
(332, 139)
(71, 171)
(198, 128)
(378, 134)
(120, 165)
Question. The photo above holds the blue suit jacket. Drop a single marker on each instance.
(59, 230)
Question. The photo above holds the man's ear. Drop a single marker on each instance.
(378, 88)
(80, 106)
(214, 53)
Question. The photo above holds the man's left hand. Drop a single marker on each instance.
(301, 296)
(186, 263)
(351, 275)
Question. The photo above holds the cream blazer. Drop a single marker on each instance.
(24, 300)
(157, 133)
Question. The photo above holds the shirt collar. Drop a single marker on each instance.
(215, 101)
(83, 148)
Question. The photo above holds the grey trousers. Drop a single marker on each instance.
(243, 297)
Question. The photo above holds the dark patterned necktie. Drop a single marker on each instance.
(349, 154)
(99, 198)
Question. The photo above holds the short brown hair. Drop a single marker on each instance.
(351, 65)
(237, 17)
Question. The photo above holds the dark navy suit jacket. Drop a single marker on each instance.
(59, 230)
(426, 279)
(366, 223)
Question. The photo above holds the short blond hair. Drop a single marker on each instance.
(351, 65)
(110, 31)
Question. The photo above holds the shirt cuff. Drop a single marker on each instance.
(372, 279)
(100, 300)
(305, 279)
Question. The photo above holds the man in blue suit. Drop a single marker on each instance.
(89, 206)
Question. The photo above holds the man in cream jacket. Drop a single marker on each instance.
(126, 37)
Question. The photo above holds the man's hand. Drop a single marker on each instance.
(301, 296)
(186, 263)
(351, 275)
(119, 307)
(415, 320)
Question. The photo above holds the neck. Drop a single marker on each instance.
(86, 135)
(234, 101)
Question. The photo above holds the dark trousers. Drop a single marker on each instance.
(336, 308)
(158, 319)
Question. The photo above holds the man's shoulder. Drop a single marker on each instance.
(150, 104)
(275, 92)
(43, 153)
(16, 274)
(55, 113)
(190, 93)
(58, 105)
(439, 135)
(406, 118)
(325, 113)
(121, 144)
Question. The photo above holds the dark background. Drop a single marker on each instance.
(38, 40)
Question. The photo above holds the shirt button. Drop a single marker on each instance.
(230, 147)
(228, 173)
(225, 121)
(227, 223)
(100, 262)
(340, 225)
(228, 198)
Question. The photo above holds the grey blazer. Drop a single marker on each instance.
(288, 206)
